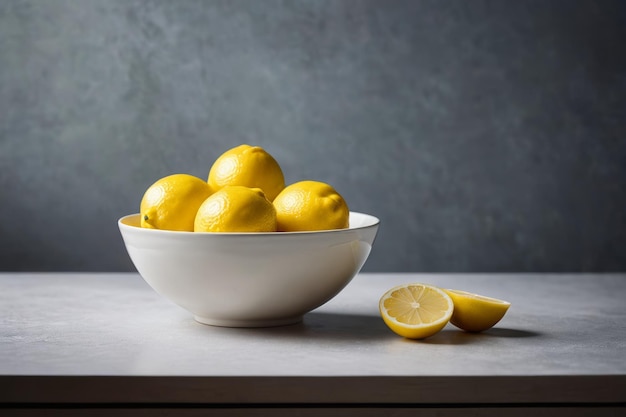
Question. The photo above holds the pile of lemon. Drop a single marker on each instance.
(245, 192)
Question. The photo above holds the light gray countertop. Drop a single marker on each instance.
(89, 332)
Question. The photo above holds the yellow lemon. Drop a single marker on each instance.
(475, 313)
(248, 166)
(171, 202)
(310, 205)
(416, 311)
(236, 209)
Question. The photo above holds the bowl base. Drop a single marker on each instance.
(248, 323)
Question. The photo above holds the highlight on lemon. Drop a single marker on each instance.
(171, 202)
(476, 313)
(236, 209)
(248, 166)
(310, 205)
(416, 311)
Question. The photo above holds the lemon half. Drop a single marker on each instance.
(416, 311)
(476, 313)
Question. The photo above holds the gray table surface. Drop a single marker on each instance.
(70, 337)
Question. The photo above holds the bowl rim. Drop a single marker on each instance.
(373, 221)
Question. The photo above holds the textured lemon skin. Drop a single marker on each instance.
(248, 166)
(476, 313)
(441, 316)
(310, 206)
(171, 202)
(236, 209)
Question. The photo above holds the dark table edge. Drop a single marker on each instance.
(27, 391)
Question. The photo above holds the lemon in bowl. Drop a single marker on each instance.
(247, 166)
(172, 202)
(310, 205)
(249, 279)
(235, 208)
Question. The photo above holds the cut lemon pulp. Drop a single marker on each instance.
(475, 313)
(416, 311)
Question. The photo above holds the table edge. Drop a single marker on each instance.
(562, 389)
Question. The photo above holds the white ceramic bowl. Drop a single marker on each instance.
(249, 279)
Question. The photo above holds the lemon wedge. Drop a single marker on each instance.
(476, 313)
(416, 311)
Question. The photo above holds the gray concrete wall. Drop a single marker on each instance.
(486, 135)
